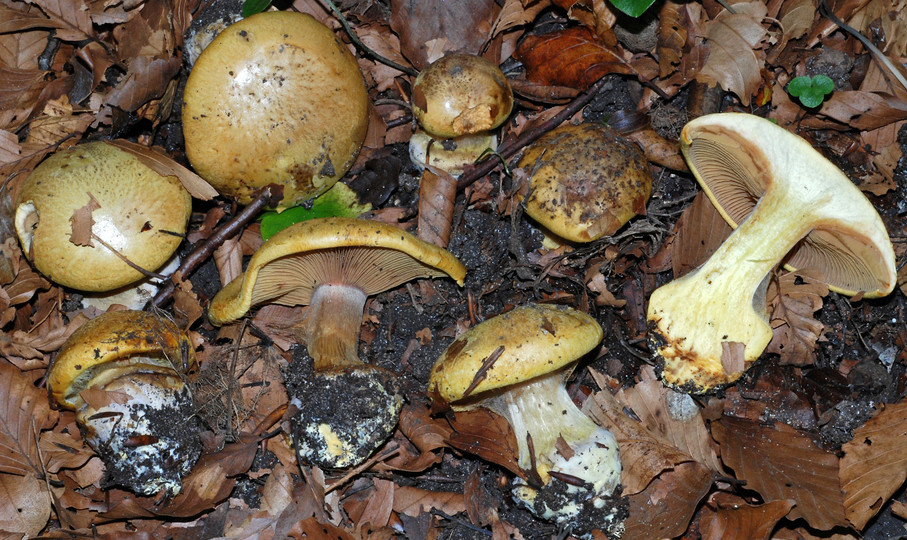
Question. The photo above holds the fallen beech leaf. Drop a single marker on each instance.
(792, 306)
(424, 431)
(659, 150)
(736, 520)
(780, 462)
(73, 14)
(146, 79)
(413, 501)
(82, 222)
(874, 465)
(666, 506)
(733, 40)
(24, 504)
(864, 110)
(697, 234)
(277, 492)
(313, 529)
(24, 413)
(20, 90)
(158, 161)
(437, 191)
(672, 37)
(487, 435)
(228, 260)
(572, 57)
(517, 13)
(63, 451)
(454, 26)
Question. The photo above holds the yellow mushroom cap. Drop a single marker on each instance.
(140, 213)
(586, 181)
(111, 344)
(371, 255)
(535, 340)
(461, 94)
(275, 98)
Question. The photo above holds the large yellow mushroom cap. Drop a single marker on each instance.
(370, 255)
(137, 212)
(275, 98)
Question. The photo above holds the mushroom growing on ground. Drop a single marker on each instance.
(515, 365)
(458, 100)
(274, 99)
(133, 210)
(332, 265)
(122, 374)
(789, 205)
(586, 181)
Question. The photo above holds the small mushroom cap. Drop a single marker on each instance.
(370, 255)
(586, 181)
(736, 156)
(111, 344)
(141, 214)
(275, 98)
(536, 340)
(460, 94)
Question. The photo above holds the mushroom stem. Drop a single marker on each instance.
(694, 315)
(331, 327)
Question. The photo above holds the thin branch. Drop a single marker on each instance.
(146, 273)
(362, 46)
(206, 248)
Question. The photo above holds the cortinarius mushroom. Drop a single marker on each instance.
(789, 205)
(458, 100)
(122, 373)
(274, 98)
(586, 181)
(332, 265)
(134, 210)
(532, 348)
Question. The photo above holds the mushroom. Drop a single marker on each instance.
(458, 100)
(515, 365)
(332, 265)
(275, 98)
(122, 373)
(788, 205)
(586, 181)
(133, 210)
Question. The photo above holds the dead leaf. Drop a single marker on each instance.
(437, 191)
(24, 504)
(228, 260)
(413, 501)
(20, 90)
(734, 519)
(863, 110)
(733, 40)
(24, 413)
(82, 222)
(63, 451)
(158, 161)
(454, 26)
(672, 37)
(571, 57)
(487, 435)
(147, 79)
(698, 233)
(666, 506)
(793, 304)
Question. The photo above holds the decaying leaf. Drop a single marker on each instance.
(672, 37)
(82, 222)
(164, 165)
(697, 234)
(486, 435)
(24, 413)
(24, 504)
(792, 306)
(664, 508)
(437, 191)
(733, 518)
(452, 26)
(413, 501)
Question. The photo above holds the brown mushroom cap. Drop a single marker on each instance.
(535, 340)
(586, 181)
(104, 347)
(141, 214)
(275, 98)
(736, 157)
(370, 255)
(460, 94)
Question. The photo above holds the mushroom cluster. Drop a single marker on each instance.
(789, 205)
(275, 98)
(122, 373)
(332, 265)
(458, 100)
(515, 365)
(134, 214)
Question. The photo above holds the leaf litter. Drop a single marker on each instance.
(808, 444)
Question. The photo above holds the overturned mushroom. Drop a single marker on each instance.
(332, 265)
(275, 98)
(515, 365)
(458, 100)
(122, 373)
(789, 205)
(130, 212)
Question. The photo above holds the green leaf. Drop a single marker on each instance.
(633, 8)
(811, 90)
(339, 201)
(799, 85)
(824, 84)
(811, 99)
(251, 7)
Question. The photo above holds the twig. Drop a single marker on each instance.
(206, 248)
(473, 173)
(358, 42)
(146, 273)
(879, 55)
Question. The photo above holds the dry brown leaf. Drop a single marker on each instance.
(862, 110)
(516, 13)
(24, 413)
(697, 234)
(796, 18)
(780, 462)
(734, 61)
(71, 18)
(24, 504)
(157, 160)
(672, 37)
(452, 26)
(572, 57)
(146, 79)
(659, 150)
(874, 465)
(277, 492)
(379, 38)
(792, 306)
(313, 529)
(487, 435)
(20, 90)
(22, 49)
(666, 506)
(424, 431)
(187, 308)
(17, 18)
(82, 222)
(437, 191)
(731, 518)
(228, 260)
(61, 450)
(413, 501)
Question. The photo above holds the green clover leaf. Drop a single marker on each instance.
(811, 90)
